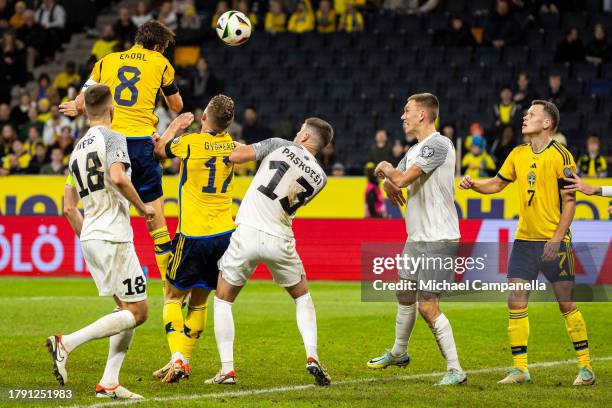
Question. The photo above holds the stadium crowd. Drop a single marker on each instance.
(36, 139)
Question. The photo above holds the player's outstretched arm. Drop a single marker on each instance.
(73, 108)
(175, 102)
(488, 186)
(180, 123)
(396, 176)
(576, 184)
(121, 180)
(75, 218)
(242, 153)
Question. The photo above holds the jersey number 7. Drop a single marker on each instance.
(281, 168)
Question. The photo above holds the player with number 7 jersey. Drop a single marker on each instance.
(135, 78)
(289, 177)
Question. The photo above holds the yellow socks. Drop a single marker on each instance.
(576, 328)
(518, 333)
(161, 239)
(194, 326)
(173, 321)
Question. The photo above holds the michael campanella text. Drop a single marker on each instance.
(435, 286)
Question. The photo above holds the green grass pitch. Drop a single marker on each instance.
(269, 353)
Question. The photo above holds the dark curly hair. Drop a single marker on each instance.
(154, 33)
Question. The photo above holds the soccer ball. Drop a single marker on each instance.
(234, 28)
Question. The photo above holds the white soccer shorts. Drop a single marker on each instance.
(250, 246)
(116, 270)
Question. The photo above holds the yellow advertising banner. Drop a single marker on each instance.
(343, 197)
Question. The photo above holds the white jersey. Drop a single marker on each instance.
(288, 177)
(430, 208)
(107, 212)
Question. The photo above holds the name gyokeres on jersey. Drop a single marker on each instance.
(302, 165)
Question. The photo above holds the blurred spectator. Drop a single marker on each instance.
(571, 48)
(125, 29)
(351, 20)
(18, 160)
(449, 130)
(524, 92)
(592, 163)
(327, 158)
(56, 167)
(32, 35)
(44, 114)
(105, 44)
(501, 28)
(16, 21)
(205, 83)
(302, 20)
(458, 34)
(8, 137)
(374, 198)
(19, 113)
(398, 152)
(38, 160)
(222, 7)
(275, 18)
(244, 8)
(411, 6)
(52, 17)
(556, 92)
(560, 138)
(477, 162)
(190, 28)
(13, 57)
(243, 169)
(503, 145)
(252, 131)
(54, 126)
(547, 6)
(65, 143)
(45, 90)
(326, 17)
(476, 130)
(142, 14)
(32, 122)
(5, 10)
(66, 78)
(34, 137)
(5, 114)
(168, 16)
(599, 49)
(505, 112)
(338, 170)
(381, 150)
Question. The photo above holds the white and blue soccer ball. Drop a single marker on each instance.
(233, 28)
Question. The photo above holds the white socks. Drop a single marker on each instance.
(307, 324)
(404, 323)
(224, 334)
(443, 332)
(118, 347)
(106, 326)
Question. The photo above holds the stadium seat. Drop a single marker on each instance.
(576, 19)
(516, 56)
(584, 72)
(341, 89)
(488, 56)
(459, 57)
(456, 7)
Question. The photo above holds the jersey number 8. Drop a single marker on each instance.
(129, 84)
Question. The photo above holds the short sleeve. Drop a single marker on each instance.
(565, 165)
(433, 154)
(177, 147)
(168, 86)
(402, 164)
(116, 148)
(507, 171)
(265, 147)
(96, 72)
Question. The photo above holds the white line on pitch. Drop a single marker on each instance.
(273, 390)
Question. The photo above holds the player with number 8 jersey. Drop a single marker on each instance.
(135, 78)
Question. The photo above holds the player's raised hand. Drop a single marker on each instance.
(466, 183)
(69, 109)
(183, 120)
(576, 184)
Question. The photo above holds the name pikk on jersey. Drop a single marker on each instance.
(107, 212)
(288, 178)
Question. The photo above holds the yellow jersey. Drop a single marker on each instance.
(206, 183)
(477, 166)
(135, 77)
(539, 177)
